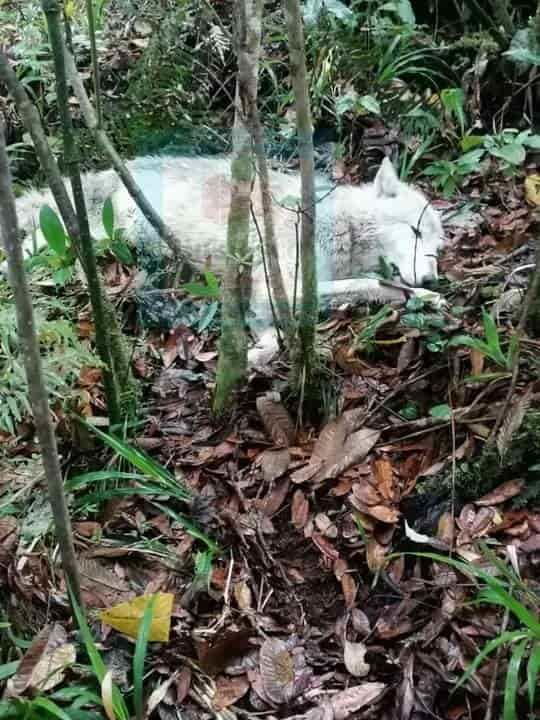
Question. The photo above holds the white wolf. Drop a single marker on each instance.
(356, 225)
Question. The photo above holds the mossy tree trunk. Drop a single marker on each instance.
(232, 363)
(34, 374)
(299, 77)
(52, 11)
(32, 122)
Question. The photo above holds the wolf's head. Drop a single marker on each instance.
(409, 228)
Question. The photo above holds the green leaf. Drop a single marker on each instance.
(50, 707)
(53, 230)
(512, 153)
(468, 142)
(121, 251)
(8, 669)
(441, 412)
(533, 141)
(208, 316)
(107, 217)
(415, 303)
(370, 103)
(98, 666)
(139, 657)
(533, 670)
(512, 681)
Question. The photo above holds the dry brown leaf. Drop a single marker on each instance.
(349, 701)
(43, 664)
(360, 622)
(375, 555)
(277, 671)
(384, 480)
(512, 421)
(365, 493)
(478, 360)
(355, 449)
(214, 658)
(379, 512)
(354, 657)
(275, 499)
(100, 586)
(276, 420)
(330, 442)
(274, 463)
(406, 354)
(229, 690)
(242, 595)
(501, 493)
(532, 189)
(349, 589)
(299, 510)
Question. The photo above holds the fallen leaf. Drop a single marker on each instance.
(276, 420)
(242, 595)
(214, 658)
(501, 493)
(229, 690)
(299, 510)
(532, 189)
(107, 695)
(349, 701)
(43, 664)
(277, 671)
(274, 463)
(127, 617)
(354, 658)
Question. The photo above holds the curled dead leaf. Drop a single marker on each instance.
(354, 658)
(501, 493)
(229, 690)
(277, 671)
(274, 463)
(276, 420)
(349, 701)
(43, 664)
(299, 510)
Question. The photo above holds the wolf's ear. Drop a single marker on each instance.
(386, 180)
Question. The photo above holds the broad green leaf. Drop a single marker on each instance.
(107, 217)
(513, 153)
(53, 230)
(441, 412)
(370, 103)
(50, 707)
(121, 250)
(512, 681)
(468, 142)
(533, 141)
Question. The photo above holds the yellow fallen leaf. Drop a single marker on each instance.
(532, 189)
(127, 616)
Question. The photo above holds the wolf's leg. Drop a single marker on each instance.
(370, 290)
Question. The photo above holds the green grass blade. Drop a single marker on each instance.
(139, 657)
(90, 478)
(512, 681)
(190, 527)
(505, 598)
(98, 666)
(502, 639)
(533, 670)
(8, 669)
(50, 707)
(139, 459)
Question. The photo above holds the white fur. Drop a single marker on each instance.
(355, 224)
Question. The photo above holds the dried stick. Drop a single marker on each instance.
(34, 375)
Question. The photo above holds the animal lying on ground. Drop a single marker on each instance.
(355, 226)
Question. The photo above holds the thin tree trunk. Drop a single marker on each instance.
(92, 123)
(95, 60)
(34, 374)
(309, 305)
(232, 363)
(51, 9)
(32, 123)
